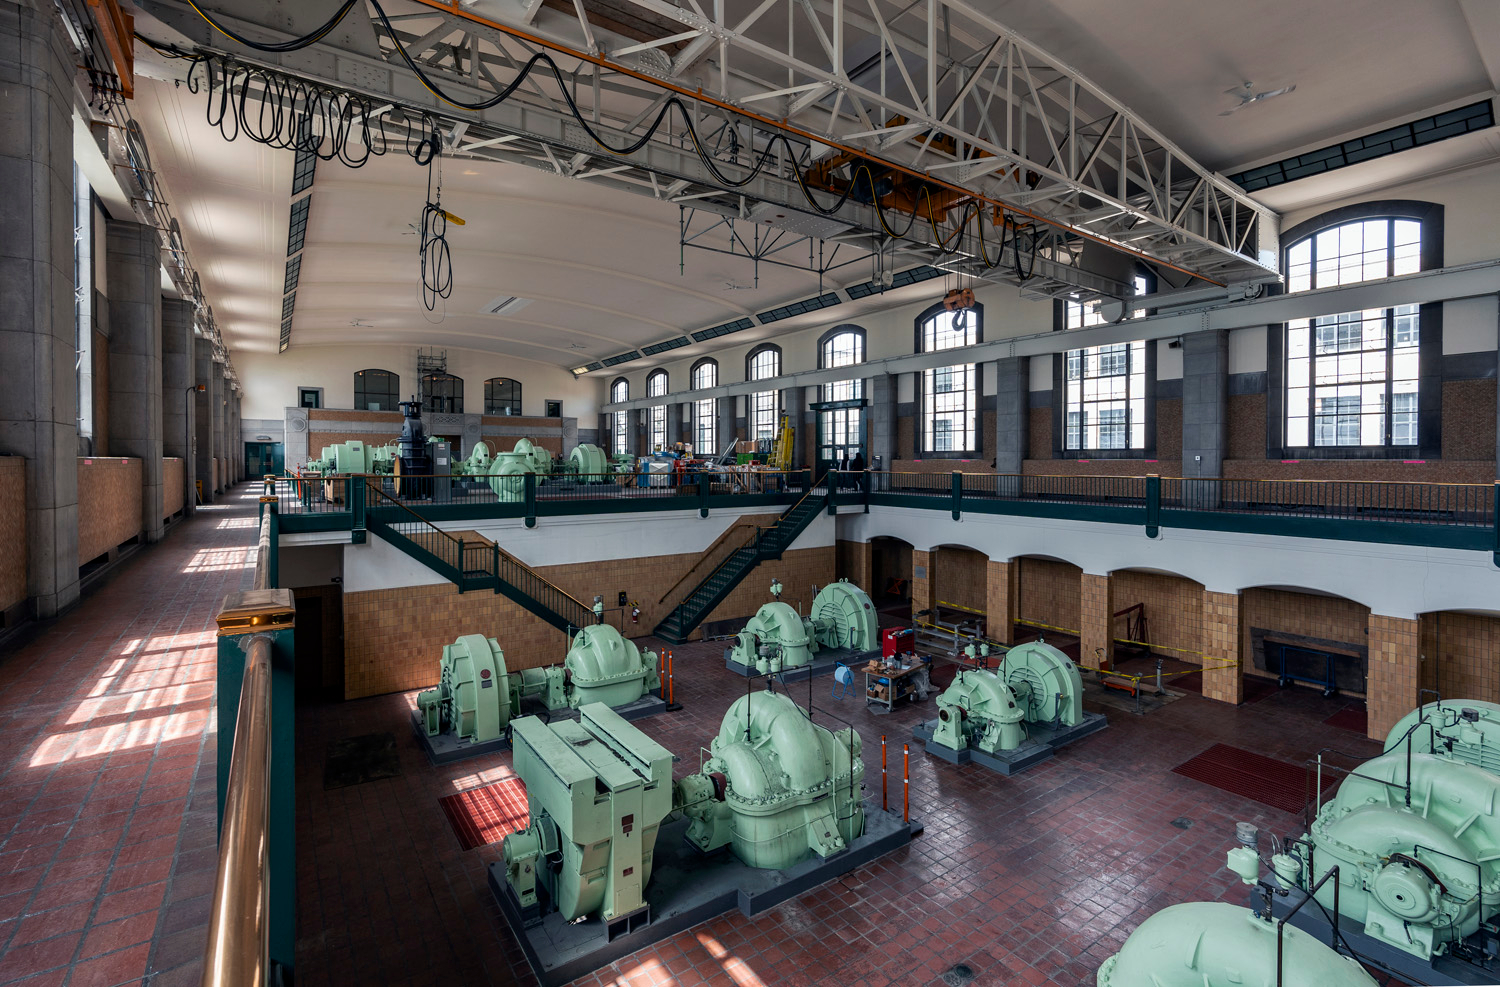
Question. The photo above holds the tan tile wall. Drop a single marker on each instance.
(1329, 618)
(12, 532)
(1221, 640)
(1096, 644)
(393, 639)
(1394, 673)
(1002, 599)
(959, 576)
(1461, 655)
(350, 415)
(172, 491)
(1050, 592)
(854, 561)
(109, 505)
(1174, 610)
(921, 585)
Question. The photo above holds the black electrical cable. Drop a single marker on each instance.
(280, 46)
(433, 254)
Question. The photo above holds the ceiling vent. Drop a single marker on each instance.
(505, 305)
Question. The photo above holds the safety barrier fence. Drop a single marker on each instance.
(1438, 515)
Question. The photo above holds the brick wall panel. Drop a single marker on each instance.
(1459, 653)
(1324, 618)
(109, 505)
(172, 489)
(1394, 673)
(1174, 610)
(12, 532)
(1049, 592)
(1221, 642)
(959, 576)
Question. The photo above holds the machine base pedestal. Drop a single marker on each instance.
(687, 887)
(445, 748)
(823, 663)
(1442, 970)
(1041, 743)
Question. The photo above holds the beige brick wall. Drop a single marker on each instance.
(1101, 467)
(1174, 610)
(1221, 641)
(12, 532)
(1096, 644)
(1434, 471)
(854, 561)
(1002, 599)
(393, 639)
(172, 492)
(1327, 618)
(1461, 655)
(959, 576)
(921, 581)
(1394, 675)
(1050, 592)
(109, 505)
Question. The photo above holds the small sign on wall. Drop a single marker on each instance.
(919, 572)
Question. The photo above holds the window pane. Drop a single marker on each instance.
(1105, 397)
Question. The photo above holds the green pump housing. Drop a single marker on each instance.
(589, 462)
(603, 666)
(777, 638)
(988, 710)
(1418, 854)
(1466, 730)
(476, 698)
(477, 463)
(777, 788)
(597, 791)
(342, 458)
(1216, 944)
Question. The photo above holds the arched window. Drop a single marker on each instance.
(841, 346)
(376, 390)
(442, 393)
(619, 427)
(502, 396)
(1105, 404)
(950, 395)
(705, 374)
(656, 387)
(763, 363)
(1352, 380)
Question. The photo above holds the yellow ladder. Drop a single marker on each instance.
(781, 450)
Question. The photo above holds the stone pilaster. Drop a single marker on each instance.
(1012, 413)
(921, 582)
(1002, 599)
(1096, 645)
(177, 404)
(1394, 671)
(1221, 644)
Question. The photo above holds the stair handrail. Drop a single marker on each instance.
(751, 529)
(381, 495)
(543, 580)
(761, 533)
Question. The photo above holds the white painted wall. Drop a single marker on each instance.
(1168, 360)
(271, 380)
(1393, 580)
(1247, 350)
(1469, 324)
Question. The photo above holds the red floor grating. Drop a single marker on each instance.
(1351, 718)
(1241, 772)
(486, 815)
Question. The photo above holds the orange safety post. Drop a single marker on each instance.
(906, 784)
(884, 805)
(671, 676)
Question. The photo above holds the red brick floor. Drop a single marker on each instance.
(1031, 880)
(107, 849)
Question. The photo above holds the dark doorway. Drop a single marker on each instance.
(319, 639)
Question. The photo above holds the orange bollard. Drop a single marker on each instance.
(884, 804)
(906, 785)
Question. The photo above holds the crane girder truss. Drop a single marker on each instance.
(957, 103)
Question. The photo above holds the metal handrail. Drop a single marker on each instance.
(238, 953)
(708, 552)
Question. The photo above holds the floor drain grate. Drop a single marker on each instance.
(957, 976)
(1182, 822)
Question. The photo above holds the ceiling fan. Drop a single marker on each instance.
(1248, 95)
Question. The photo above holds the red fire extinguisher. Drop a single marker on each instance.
(635, 612)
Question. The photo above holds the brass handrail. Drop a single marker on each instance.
(238, 953)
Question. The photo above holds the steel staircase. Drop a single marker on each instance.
(769, 544)
(473, 564)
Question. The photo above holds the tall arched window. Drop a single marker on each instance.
(376, 390)
(841, 346)
(443, 394)
(619, 420)
(763, 363)
(705, 374)
(950, 395)
(656, 387)
(1353, 380)
(502, 396)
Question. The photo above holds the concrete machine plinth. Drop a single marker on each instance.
(823, 663)
(687, 887)
(1042, 742)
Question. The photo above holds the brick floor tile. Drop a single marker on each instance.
(127, 966)
(116, 935)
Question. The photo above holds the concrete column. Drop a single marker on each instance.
(1002, 600)
(726, 429)
(1395, 672)
(640, 420)
(674, 424)
(237, 439)
(177, 404)
(1012, 412)
(1205, 410)
(218, 389)
(921, 581)
(133, 271)
(1221, 643)
(880, 425)
(1096, 644)
(203, 416)
(794, 401)
(39, 389)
